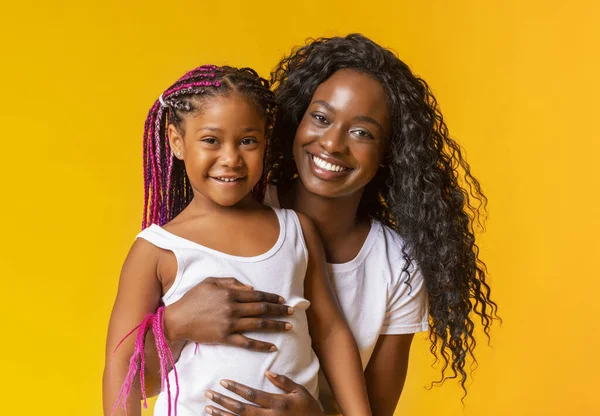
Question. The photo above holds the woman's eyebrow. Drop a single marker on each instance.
(363, 118)
(325, 104)
(370, 120)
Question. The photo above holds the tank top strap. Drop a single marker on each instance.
(293, 229)
(161, 238)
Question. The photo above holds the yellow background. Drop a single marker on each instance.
(516, 80)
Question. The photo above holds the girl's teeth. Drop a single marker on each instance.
(327, 166)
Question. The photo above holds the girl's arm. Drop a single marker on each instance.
(386, 372)
(333, 341)
(139, 293)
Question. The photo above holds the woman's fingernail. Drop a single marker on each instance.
(209, 395)
(273, 348)
(290, 310)
(209, 410)
(280, 300)
(271, 374)
(288, 326)
(224, 383)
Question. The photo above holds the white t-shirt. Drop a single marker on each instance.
(280, 270)
(372, 292)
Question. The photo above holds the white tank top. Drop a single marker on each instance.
(280, 270)
(373, 294)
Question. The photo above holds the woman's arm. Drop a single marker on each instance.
(215, 311)
(138, 295)
(333, 341)
(386, 372)
(296, 401)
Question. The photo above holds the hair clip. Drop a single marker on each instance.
(162, 102)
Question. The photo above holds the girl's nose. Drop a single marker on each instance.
(230, 157)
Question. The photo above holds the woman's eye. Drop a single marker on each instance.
(210, 140)
(248, 141)
(320, 118)
(363, 134)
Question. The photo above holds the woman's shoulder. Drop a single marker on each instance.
(386, 235)
(393, 246)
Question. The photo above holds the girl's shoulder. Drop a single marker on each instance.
(158, 239)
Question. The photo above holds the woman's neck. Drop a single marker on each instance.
(340, 228)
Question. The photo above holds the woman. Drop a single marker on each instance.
(369, 160)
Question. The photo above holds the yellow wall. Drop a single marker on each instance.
(517, 81)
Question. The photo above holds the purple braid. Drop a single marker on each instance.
(169, 175)
(158, 195)
(167, 190)
(146, 164)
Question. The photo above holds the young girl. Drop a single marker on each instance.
(204, 152)
(397, 221)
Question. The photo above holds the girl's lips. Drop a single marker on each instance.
(225, 181)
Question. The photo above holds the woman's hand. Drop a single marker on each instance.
(218, 310)
(296, 401)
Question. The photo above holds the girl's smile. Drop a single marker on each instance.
(228, 180)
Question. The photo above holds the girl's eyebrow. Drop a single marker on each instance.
(218, 130)
(252, 129)
(210, 128)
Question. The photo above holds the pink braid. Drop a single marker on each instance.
(138, 351)
(191, 85)
(158, 196)
(169, 171)
(151, 173)
(165, 356)
(147, 162)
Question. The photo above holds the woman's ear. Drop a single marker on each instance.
(175, 141)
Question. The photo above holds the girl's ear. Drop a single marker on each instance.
(176, 141)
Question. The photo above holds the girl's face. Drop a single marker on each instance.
(223, 149)
(341, 139)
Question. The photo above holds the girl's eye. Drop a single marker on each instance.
(362, 134)
(210, 140)
(247, 141)
(320, 118)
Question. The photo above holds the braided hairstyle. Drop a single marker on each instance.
(424, 191)
(167, 189)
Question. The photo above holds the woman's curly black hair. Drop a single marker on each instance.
(424, 191)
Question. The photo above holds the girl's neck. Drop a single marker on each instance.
(335, 218)
(205, 206)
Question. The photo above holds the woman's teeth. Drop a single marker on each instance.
(229, 179)
(328, 166)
